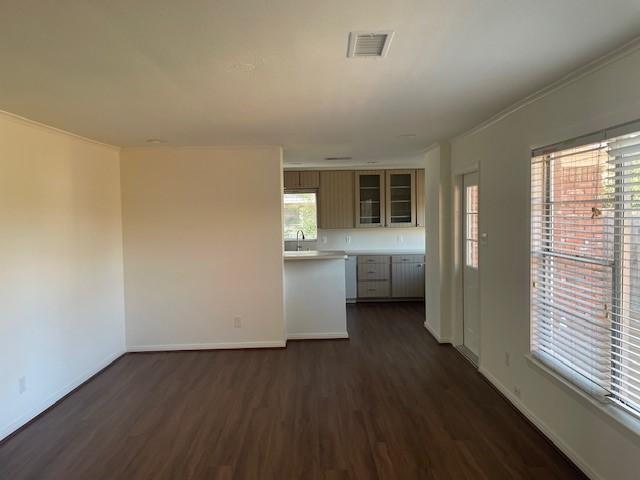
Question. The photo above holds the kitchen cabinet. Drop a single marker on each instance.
(400, 198)
(389, 277)
(378, 289)
(351, 278)
(291, 179)
(302, 179)
(369, 202)
(309, 179)
(407, 276)
(373, 276)
(420, 204)
(363, 199)
(336, 199)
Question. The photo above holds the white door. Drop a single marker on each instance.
(471, 290)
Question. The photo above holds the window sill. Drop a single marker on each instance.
(626, 419)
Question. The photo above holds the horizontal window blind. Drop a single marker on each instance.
(585, 265)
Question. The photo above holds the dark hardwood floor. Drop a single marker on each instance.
(389, 403)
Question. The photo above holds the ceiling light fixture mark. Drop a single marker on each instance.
(243, 67)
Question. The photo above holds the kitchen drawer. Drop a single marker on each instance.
(373, 271)
(374, 259)
(373, 289)
(407, 259)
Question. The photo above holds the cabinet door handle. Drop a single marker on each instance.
(371, 271)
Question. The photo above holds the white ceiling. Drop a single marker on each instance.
(124, 71)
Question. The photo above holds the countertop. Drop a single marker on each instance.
(315, 255)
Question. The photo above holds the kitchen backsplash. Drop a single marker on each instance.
(365, 239)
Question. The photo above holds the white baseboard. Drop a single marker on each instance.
(438, 338)
(317, 336)
(206, 346)
(52, 399)
(557, 441)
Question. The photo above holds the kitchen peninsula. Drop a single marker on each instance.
(314, 289)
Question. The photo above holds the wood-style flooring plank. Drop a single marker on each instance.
(390, 403)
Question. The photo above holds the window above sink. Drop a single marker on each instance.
(300, 213)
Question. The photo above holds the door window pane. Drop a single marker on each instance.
(471, 226)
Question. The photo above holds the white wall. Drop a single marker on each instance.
(203, 245)
(61, 281)
(604, 98)
(438, 241)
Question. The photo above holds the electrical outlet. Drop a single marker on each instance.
(22, 385)
(324, 239)
(517, 391)
(507, 359)
(400, 238)
(347, 239)
(237, 322)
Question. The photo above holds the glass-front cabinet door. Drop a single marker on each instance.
(401, 198)
(370, 205)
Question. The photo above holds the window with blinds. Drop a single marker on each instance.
(585, 262)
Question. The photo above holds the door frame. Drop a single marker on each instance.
(457, 277)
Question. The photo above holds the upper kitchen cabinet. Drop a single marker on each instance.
(291, 179)
(309, 179)
(369, 201)
(336, 198)
(401, 198)
(301, 179)
(420, 204)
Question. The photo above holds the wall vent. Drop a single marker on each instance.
(369, 44)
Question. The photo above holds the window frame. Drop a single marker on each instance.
(625, 414)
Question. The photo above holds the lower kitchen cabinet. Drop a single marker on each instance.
(389, 277)
(351, 278)
(373, 289)
(373, 276)
(407, 280)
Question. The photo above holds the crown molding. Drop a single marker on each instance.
(42, 126)
(571, 77)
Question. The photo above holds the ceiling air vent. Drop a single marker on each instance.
(369, 44)
(334, 159)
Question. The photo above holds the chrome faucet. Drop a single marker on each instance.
(298, 246)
